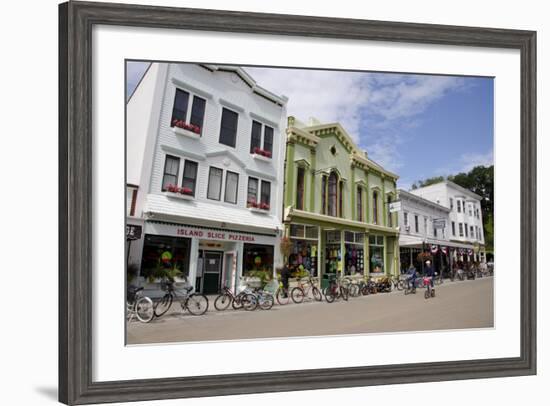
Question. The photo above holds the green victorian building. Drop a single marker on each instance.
(336, 204)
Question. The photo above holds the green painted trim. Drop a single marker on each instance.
(386, 268)
(289, 179)
(353, 192)
(313, 159)
(366, 256)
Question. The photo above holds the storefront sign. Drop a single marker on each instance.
(206, 233)
(133, 232)
(395, 206)
(439, 223)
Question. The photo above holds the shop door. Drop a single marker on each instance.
(212, 272)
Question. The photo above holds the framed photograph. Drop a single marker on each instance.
(261, 203)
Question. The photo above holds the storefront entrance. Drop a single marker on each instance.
(212, 263)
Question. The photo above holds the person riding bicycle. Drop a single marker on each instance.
(429, 271)
(411, 276)
(285, 276)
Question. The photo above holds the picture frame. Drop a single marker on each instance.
(76, 20)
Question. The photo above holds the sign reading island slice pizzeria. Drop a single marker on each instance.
(206, 233)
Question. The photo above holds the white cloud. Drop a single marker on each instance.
(329, 96)
(375, 108)
(471, 160)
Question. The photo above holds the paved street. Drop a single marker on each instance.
(457, 305)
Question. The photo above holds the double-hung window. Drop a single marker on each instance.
(265, 195)
(460, 229)
(214, 183)
(359, 203)
(171, 171)
(231, 187)
(189, 177)
(197, 112)
(300, 180)
(453, 228)
(375, 207)
(252, 191)
(256, 137)
(416, 223)
(180, 111)
(181, 102)
(228, 130)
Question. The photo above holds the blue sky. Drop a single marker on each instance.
(417, 126)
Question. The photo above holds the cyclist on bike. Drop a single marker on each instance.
(429, 271)
(411, 276)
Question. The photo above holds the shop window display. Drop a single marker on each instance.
(376, 251)
(258, 260)
(162, 254)
(354, 258)
(304, 247)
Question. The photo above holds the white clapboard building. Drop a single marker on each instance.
(464, 229)
(205, 161)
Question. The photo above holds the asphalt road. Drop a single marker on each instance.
(457, 305)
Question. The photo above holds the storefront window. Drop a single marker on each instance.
(258, 260)
(333, 253)
(354, 259)
(304, 248)
(162, 254)
(376, 252)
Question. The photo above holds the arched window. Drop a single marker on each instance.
(375, 207)
(332, 194)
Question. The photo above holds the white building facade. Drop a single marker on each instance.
(423, 227)
(205, 162)
(465, 231)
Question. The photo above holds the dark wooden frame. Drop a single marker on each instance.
(75, 185)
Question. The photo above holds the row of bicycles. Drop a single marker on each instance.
(145, 309)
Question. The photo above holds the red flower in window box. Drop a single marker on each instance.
(190, 127)
(264, 206)
(262, 152)
(172, 188)
(252, 203)
(186, 191)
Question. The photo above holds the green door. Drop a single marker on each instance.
(212, 272)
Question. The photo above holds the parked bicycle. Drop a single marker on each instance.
(367, 286)
(244, 299)
(335, 290)
(352, 286)
(410, 286)
(397, 283)
(262, 299)
(195, 303)
(304, 288)
(138, 305)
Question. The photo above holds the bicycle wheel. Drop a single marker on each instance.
(317, 295)
(353, 290)
(282, 296)
(297, 295)
(426, 294)
(197, 304)
(222, 302)
(267, 301)
(237, 303)
(249, 302)
(400, 285)
(344, 292)
(144, 309)
(330, 295)
(163, 305)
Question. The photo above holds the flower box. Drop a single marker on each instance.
(261, 154)
(179, 192)
(189, 130)
(258, 207)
